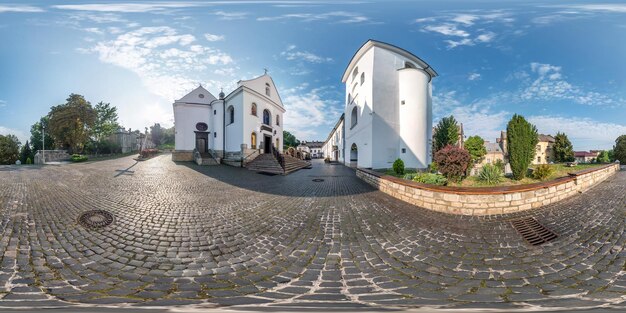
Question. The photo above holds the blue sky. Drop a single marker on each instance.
(560, 64)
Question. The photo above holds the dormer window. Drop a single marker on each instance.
(267, 89)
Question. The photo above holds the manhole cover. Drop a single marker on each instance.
(318, 180)
(96, 219)
(532, 231)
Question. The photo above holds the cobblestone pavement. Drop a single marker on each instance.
(210, 236)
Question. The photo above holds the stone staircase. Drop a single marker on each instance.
(205, 159)
(266, 163)
(293, 164)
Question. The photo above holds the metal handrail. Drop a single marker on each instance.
(243, 159)
(279, 157)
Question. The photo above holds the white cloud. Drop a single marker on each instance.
(19, 8)
(212, 37)
(100, 18)
(165, 60)
(2, 103)
(612, 7)
(306, 111)
(455, 43)
(229, 16)
(447, 29)
(585, 133)
(549, 84)
(293, 55)
(340, 17)
(94, 30)
(470, 27)
(22, 136)
(486, 37)
(473, 76)
(478, 118)
(127, 7)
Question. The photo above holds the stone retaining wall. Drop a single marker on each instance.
(487, 200)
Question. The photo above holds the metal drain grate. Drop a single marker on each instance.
(318, 180)
(532, 231)
(96, 219)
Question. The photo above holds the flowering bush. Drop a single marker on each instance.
(453, 162)
(147, 153)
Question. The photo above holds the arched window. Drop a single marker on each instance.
(362, 78)
(354, 116)
(253, 140)
(231, 114)
(349, 98)
(267, 89)
(355, 72)
(277, 119)
(266, 117)
(253, 109)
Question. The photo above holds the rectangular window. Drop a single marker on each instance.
(403, 150)
(214, 135)
(214, 112)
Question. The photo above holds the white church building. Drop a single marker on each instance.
(247, 120)
(388, 110)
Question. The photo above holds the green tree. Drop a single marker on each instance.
(521, 141)
(475, 145)
(168, 136)
(611, 155)
(603, 157)
(446, 133)
(289, 140)
(9, 149)
(36, 135)
(563, 149)
(156, 134)
(619, 150)
(71, 123)
(106, 121)
(26, 153)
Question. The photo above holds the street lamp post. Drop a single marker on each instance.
(43, 143)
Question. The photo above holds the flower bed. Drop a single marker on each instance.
(487, 200)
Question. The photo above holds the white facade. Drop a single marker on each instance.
(333, 147)
(249, 118)
(388, 112)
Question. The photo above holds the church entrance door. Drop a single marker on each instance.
(202, 142)
(267, 144)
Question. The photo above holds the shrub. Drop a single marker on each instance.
(430, 178)
(433, 167)
(521, 140)
(490, 174)
(78, 158)
(453, 162)
(542, 171)
(29, 161)
(499, 164)
(398, 166)
(409, 176)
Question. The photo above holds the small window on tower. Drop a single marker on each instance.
(267, 89)
(214, 112)
(403, 150)
(214, 135)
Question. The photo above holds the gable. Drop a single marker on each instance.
(198, 96)
(260, 84)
